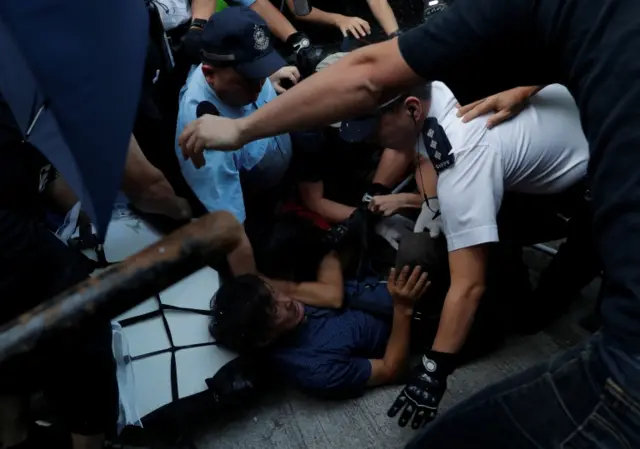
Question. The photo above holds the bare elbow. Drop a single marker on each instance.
(335, 297)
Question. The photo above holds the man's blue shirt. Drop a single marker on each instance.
(330, 351)
(217, 184)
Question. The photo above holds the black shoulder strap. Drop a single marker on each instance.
(437, 145)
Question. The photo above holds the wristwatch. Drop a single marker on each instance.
(198, 23)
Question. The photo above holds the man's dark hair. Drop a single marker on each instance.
(243, 311)
(423, 92)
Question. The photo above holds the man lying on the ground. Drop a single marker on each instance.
(311, 337)
(239, 73)
(542, 153)
(354, 26)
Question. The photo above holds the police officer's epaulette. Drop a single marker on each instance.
(437, 145)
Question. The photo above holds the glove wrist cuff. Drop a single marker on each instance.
(298, 41)
(439, 364)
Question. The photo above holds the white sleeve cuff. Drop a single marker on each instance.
(472, 237)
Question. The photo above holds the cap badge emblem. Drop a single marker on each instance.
(260, 38)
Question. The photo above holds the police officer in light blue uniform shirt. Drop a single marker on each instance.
(238, 57)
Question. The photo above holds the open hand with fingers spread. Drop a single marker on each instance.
(207, 133)
(357, 27)
(407, 287)
(505, 105)
(285, 78)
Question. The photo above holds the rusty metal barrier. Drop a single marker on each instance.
(122, 286)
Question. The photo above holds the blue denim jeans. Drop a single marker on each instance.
(570, 402)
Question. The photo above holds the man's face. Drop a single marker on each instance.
(396, 127)
(233, 88)
(289, 313)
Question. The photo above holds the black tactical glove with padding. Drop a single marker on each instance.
(307, 55)
(421, 396)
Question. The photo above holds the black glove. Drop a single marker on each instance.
(191, 44)
(421, 396)
(308, 56)
(356, 224)
(297, 42)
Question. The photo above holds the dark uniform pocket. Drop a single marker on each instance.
(613, 423)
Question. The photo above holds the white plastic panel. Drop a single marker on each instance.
(152, 383)
(126, 236)
(146, 337)
(188, 328)
(197, 364)
(194, 291)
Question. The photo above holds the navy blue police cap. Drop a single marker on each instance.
(238, 37)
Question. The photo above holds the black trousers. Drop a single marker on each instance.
(75, 368)
(569, 402)
(490, 325)
(528, 219)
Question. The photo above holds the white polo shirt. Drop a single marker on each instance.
(543, 150)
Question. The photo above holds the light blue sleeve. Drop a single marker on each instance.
(217, 184)
(245, 3)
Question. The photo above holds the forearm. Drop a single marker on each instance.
(348, 88)
(277, 23)
(203, 9)
(408, 200)
(139, 174)
(384, 15)
(393, 167)
(332, 211)
(427, 178)
(317, 294)
(320, 17)
(460, 306)
(241, 259)
(394, 361)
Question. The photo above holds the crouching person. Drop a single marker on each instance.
(331, 349)
(237, 76)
